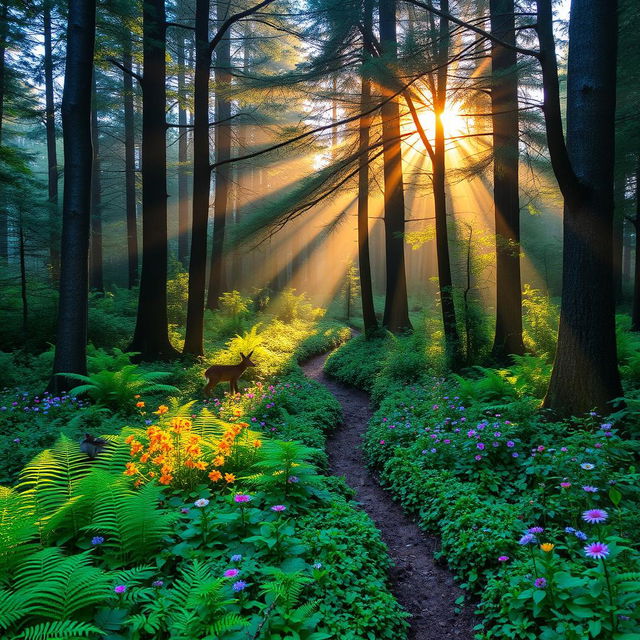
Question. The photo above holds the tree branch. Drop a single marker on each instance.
(226, 25)
(124, 69)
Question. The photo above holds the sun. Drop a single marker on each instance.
(453, 121)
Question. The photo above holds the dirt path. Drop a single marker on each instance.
(422, 587)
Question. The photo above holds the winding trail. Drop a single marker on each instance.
(425, 589)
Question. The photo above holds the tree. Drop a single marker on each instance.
(396, 310)
(96, 279)
(71, 343)
(151, 337)
(585, 371)
(504, 107)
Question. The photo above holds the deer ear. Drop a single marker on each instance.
(250, 355)
(242, 355)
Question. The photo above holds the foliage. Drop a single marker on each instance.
(540, 323)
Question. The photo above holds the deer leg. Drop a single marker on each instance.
(208, 390)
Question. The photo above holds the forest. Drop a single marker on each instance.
(320, 319)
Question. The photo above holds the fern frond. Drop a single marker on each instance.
(60, 630)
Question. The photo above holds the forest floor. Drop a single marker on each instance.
(423, 587)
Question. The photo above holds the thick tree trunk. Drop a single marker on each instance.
(151, 338)
(364, 259)
(4, 219)
(450, 325)
(504, 105)
(52, 156)
(618, 231)
(183, 185)
(585, 371)
(71, 343)
(396, 310)
(201, 186)
(23, 273)
(223, 152)
(96, 280)
(130, 168)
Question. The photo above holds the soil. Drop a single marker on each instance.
(423, 587)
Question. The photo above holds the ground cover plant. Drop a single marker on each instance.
(538, 518)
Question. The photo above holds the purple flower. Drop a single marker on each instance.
(242, 498)
(278, 507)
(541, 583)
(97, 540)
(503, 558)
(535, 530)
(565, 485)
(157, 583)
(295, 479)
(240, 585)
(527, 538)
(236, 557)
(590, 489)
(511, 443)
(596, 550)
(595, 516)
(580, 535)
(121, 588)
(231, 573)
(478, 457)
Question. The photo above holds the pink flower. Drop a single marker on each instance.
(121, 588)
(231, 573)
(278, 507)
(503, 558)
(595, 516)
(596, 550)
(242, 498)
(565, 485)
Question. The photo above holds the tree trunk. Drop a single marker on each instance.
(183, 186)
(396, 310)
(23, 273)
(618, 230)
(96, 280)
(130, 168)
(451, 334)
(585, 371)
(504, 105)
(4, 218)
(364, 260)
(71, 343)
(635, 313)
(223, 152)
(151, 338)
(193, 343)
(52, 156)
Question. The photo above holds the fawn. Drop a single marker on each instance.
(231, 372)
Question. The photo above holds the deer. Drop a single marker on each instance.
(223, 372)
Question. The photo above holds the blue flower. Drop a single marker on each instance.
(240, 585)
(97, 540)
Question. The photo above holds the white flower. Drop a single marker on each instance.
(202, 502)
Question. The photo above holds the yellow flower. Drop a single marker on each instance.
(229, 478)
(218, 461)
(257, 443)
(201, 464)
(162, 409)
(144, 457)
(131, 469)
(237, 412)
(547, 547)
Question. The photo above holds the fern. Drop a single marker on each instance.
(17, 528)
(60, 630)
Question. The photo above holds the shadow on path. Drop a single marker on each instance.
(426, 590)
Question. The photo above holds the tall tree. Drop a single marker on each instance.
(4, 29)
(585, 371)
(364, 259)
(96, 279)
(504, 108)
(71, 343)
(193, 343)
(151, 337)
(183, 186)
(396, 310)
(223, 153)
(52, 156)
(130, 164)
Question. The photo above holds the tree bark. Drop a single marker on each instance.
(130, 167)
(4, 218)
(96, 280)
(183, 186)
(71, 343)
(585, 371)
(151, 338)
(201, 186)
(396, 310)
(52, 156)
(504, 104)
(364, 259)
(450, 325)
(223, 153)
(635, 312)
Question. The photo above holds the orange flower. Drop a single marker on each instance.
(162, 409)
(130, 439)
(131, 469)
(136, 447)
(229, 478)
(166, 470)
(201, 464)
(218, 461)
(224, 447)
(165, 479)
(189, 463)
(137, 483)
(243, 425)
(215, 475)
(194, 438)
(237, 412)
(158, 460)
(257, 443)
(152, 474)
(140, 404)
(144, 457)
(178, 425)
